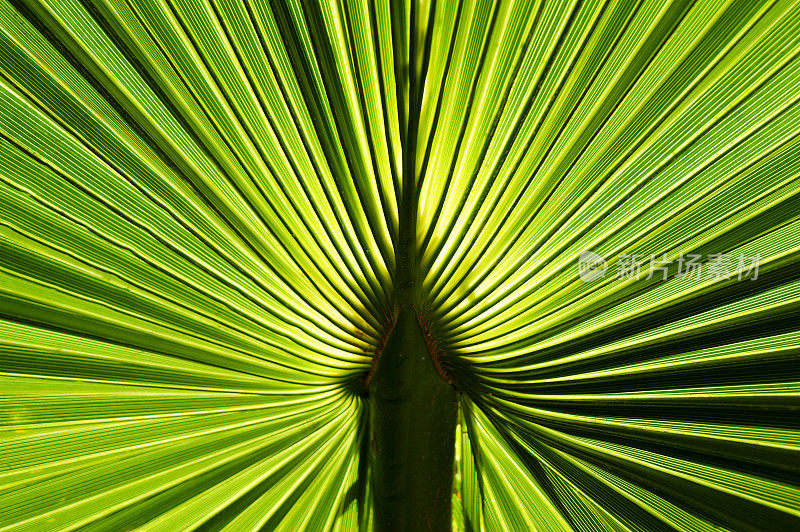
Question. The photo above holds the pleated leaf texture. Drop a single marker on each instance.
(200, 204)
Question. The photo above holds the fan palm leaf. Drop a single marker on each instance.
(223, 226)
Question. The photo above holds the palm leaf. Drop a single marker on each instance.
(212, 214)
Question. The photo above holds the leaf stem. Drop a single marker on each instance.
(413, 417)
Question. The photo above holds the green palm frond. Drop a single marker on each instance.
(213, 214)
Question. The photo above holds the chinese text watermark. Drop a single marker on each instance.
(592, 266)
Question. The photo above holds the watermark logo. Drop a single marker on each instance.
(719, 266)
(591, 266)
